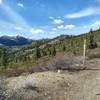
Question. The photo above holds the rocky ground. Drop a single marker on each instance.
(61, 85)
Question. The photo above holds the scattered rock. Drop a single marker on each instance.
(2, 94)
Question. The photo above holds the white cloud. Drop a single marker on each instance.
(95, 25)
(0, 2)
(60, 27)
(64, 27)
(36, 31)
(54, 29)
(20, 5)
(58, 21)
(83, 13)
(51, 17)
(52, 33)
(18, 28)
(69, 26)
(85, 26)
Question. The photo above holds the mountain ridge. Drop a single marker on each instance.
(14, 40)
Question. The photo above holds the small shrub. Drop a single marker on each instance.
(65, 62)
(94, 55)
(28, 84)
(14, 72)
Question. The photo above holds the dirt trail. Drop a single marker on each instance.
(82, 85)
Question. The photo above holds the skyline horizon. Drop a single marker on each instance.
(14, 36)
(48, 18)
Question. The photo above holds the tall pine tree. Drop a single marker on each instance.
(53, 51)
(4, 58)
(37, 52)
(92, 42)
(63, 47)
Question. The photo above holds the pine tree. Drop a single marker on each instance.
(4, 57)
(53, 51)
(24, 58)
(37, 53)
(43, 52)
(92, 42)
(49, 51)
(28, 58)
(71, 41)
(0, 56)
(63, 47)
(16, 59)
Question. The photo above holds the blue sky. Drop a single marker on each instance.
(48, 18)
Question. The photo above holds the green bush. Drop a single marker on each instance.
(94, 55)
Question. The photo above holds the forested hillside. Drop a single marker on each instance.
(44, 49)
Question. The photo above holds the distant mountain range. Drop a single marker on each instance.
(28, 43)
(14, 41)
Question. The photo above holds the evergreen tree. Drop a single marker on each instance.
(28, 58)
(49, 51)
(92, 42)
(43, 52)
(53, 51)
(24, 58)
(71, 42)
(4, 57)
(0, 56)
(63, 47)
(37, 52)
